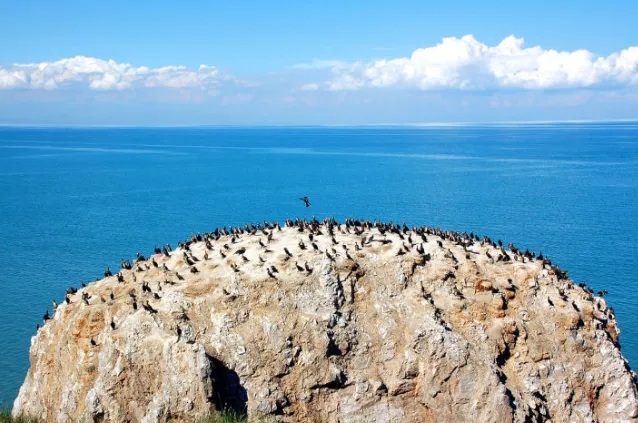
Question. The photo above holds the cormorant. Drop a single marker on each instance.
(305, 200)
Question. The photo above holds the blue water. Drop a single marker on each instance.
(76, 200)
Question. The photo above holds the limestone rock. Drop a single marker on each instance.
(445, 331)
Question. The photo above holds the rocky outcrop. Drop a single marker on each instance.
(364, 324)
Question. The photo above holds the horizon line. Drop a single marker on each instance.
(363, 125)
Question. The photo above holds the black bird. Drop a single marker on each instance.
(46, 317)
(93, 343)
(111, 296)
(299, 268)
(305, 200)
(274, 269)
(112, 325)
(287, 252)
(308, 269)
(148, 308)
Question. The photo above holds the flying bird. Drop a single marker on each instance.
(305, 200)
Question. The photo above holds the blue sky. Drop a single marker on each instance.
(316, 62)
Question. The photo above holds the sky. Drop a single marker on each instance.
(316, 63)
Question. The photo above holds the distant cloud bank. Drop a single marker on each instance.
(468, 64)
(103, 75)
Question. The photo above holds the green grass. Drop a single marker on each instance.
(5, 417)
(226, 417)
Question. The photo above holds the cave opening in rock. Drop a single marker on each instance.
(228, 392)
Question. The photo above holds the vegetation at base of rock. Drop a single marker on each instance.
(226, 417)
(5, 417)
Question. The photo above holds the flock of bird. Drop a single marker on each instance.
(369, 233)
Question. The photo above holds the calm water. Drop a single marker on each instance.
(73, 201)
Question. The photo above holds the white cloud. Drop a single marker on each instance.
(467, 64)
(310, 87)
(321, 64)
(104, 75)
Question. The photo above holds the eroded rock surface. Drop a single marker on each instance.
(452, 329)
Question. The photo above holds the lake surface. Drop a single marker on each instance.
(75, 200)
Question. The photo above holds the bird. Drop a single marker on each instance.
(305, 200)
(93, 343)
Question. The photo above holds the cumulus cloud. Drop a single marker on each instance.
(103, 75)
(467, 64)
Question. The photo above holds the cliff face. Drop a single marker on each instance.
(449, 332)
